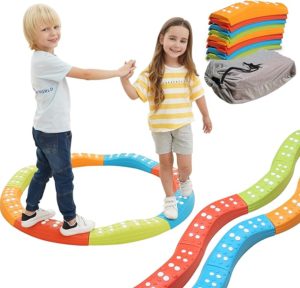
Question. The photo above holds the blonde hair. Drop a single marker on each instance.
(156, 68)
(34, 17)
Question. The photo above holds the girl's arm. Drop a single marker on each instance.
(96, 74)
(128, 88)
(207, 125)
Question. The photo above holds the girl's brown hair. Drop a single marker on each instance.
(156, 68)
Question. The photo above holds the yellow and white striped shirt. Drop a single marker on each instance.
(176, 110)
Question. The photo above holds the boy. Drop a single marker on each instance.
(51, 128)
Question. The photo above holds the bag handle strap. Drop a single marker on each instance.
(251, 68)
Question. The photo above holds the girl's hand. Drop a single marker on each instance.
(207, 125)
(128, 75)
(127, 69)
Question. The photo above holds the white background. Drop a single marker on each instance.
(238, 152)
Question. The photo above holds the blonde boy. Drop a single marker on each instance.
(51, 126)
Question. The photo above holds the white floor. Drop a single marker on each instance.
(239, 151)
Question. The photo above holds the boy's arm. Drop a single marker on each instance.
(96, 74)
(207, 125)
(128, 88)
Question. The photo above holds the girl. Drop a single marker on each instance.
(170, 84)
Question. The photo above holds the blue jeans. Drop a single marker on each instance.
(53, 159)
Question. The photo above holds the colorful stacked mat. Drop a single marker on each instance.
(244, 27)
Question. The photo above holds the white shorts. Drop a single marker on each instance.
(179, 141)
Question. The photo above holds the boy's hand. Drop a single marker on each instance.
(127, 69)
(207, 125)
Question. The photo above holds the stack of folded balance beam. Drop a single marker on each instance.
(245, 27)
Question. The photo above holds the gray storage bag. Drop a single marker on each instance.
(249, 78)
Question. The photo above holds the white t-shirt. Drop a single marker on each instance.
(48, 77)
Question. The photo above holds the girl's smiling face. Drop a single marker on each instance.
(174, 43)
(47, 37)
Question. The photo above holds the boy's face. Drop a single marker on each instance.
(47, 37)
